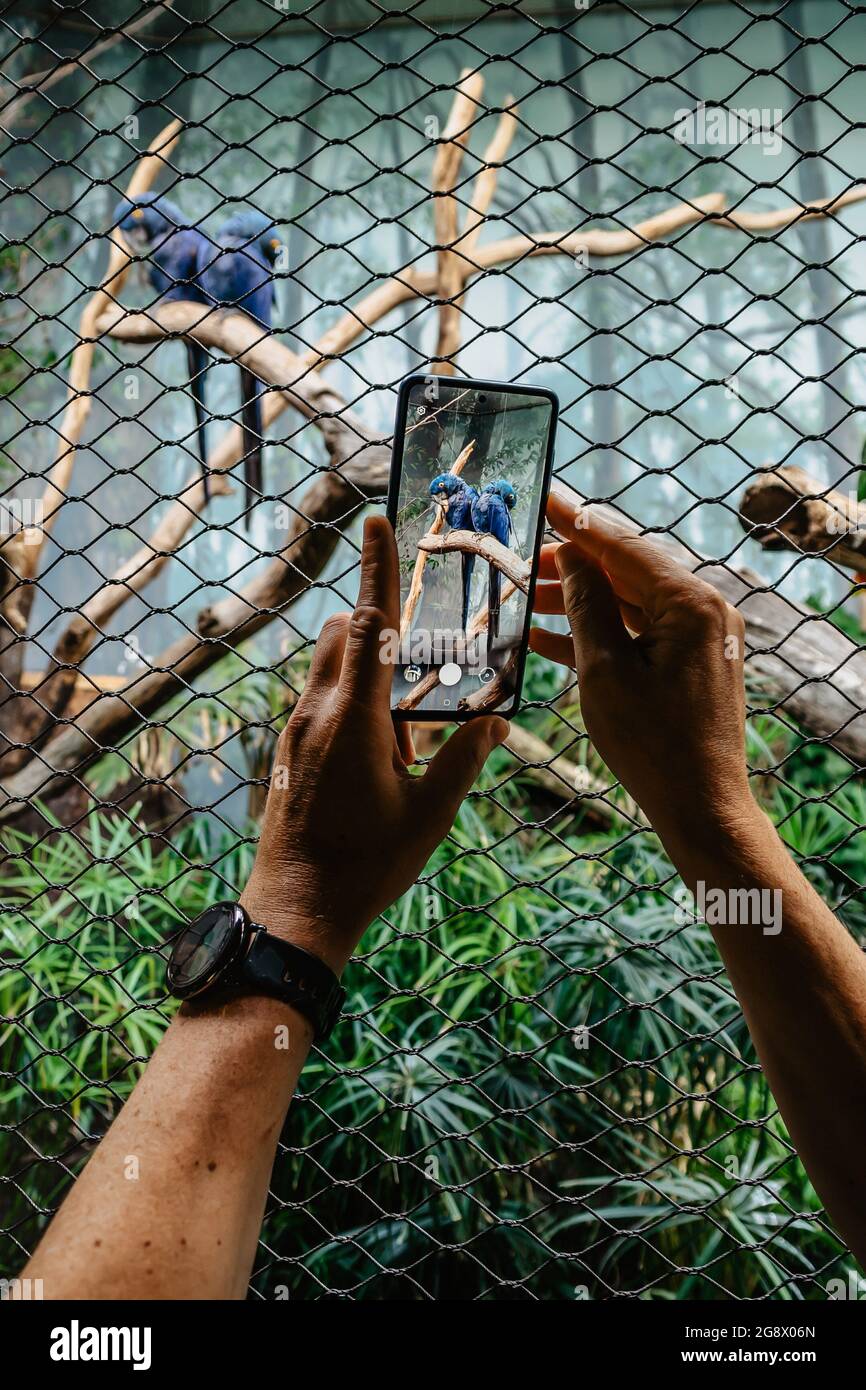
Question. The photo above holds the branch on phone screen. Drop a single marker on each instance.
(488, 547)
(417, 585)
(431, 680)
(498, 691)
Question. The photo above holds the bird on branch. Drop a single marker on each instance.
(491, 516)
(237, 272)
(456, 497)
(156, 228)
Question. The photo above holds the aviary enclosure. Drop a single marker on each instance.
(544, 1087)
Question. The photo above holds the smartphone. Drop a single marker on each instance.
(470, 472)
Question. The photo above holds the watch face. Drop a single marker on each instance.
(206, 948)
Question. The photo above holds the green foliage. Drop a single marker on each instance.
(467, 1137)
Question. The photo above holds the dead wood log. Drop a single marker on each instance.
(797, 664)
(785, 509)
(570, 781)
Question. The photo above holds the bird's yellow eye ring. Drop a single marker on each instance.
(275, 243)
(137, 212)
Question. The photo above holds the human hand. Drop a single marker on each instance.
(347, 827)
(665, 708)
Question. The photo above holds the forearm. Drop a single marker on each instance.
(803, 992)
(171, 1203)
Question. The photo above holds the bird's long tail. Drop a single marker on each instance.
(197, 361)
(493, 600)
(468, 566)
(251, 424)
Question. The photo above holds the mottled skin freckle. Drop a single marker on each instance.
(97, 1242)
(211, 1166)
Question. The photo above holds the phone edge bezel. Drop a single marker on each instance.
(416, 378)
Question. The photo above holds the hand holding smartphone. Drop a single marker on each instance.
(470, 472)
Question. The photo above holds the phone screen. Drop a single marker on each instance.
(469, 480)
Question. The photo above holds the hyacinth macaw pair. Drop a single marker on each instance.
(489, 513)
(234, 270)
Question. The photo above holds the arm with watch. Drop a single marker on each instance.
(170, 1205)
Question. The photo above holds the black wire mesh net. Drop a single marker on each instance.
(543, 1086)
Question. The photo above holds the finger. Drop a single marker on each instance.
(456, 766)
(365, 674)
(556, 646)
(569, 515)
(328, 654)
(636, 566)
(593, 611)
(547, 561)
(640, 572)
(405, 741)
(548, 599)
(635, 619)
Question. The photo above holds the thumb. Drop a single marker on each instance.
(592, 609)
(456, 766)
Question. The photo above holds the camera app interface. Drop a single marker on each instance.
(467, 516)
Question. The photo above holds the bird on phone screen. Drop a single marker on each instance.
(491, 516)
(450, 492)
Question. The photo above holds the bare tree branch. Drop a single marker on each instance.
(446, 168)
(38, 83)
(24, 559)
(326, 509)
(431, 680)
(79, 398)
(412, 284)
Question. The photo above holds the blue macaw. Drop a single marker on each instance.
(491, 516)
(237, 273)
(155, 227)
(450, 492)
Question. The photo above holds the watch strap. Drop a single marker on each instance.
(289, 973)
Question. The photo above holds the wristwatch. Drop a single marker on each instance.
(223, 949)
